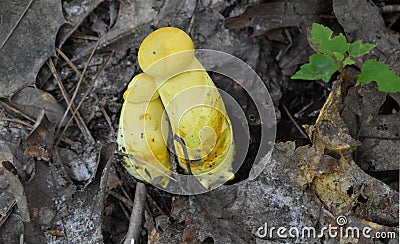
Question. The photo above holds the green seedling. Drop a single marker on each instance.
(336, 53)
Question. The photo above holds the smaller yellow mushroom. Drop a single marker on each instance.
(141, 131)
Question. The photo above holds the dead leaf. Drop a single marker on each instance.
(14, 186)
(366, 24)
(31, 41)
(106, 154)
(268, 16)
(40, 140)
(32, 101)
(233, 214)
(380, 143)
(361, 105)
(379, 134)
(130, 16)
(75, 13)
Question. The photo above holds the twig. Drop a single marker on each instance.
(16, 24)
(103, 181)
(293, 121)
(124, 210)
(96, 98)
(192, 17)
(125, 193)
(84, 37)
(121, 198)
(390, 8)
(85, 95)
(15, 110)
(78, 118)
(64, 139)
(17, 121)
(135, 222)
(77, 87)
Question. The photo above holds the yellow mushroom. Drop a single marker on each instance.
(165, 42)
(194, 106)
(140, 133)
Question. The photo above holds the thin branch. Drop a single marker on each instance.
(120, 198)
(125, 193)
(84, 37)
(122, 206)
(293, 121)
(17, 121)
(136, 219)
(16, 24)
(15, 110)
(192, 18)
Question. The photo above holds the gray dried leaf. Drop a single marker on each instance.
(11, 184)
(76, 11)
(233, 214)
(32, 101)
(366, 23)
(31, 41)
(380, 144)
(280, 14)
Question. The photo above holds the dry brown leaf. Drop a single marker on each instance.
(40, 140)
(329, 131)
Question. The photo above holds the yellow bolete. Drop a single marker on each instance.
(141, 131)
(194, 106)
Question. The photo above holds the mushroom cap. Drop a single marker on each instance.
(165, 52)
(142, 88)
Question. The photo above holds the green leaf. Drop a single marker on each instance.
(379, 72)
(348, 61)
(320, 67)
(339, 56)
(322, 35)
(358, 49)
